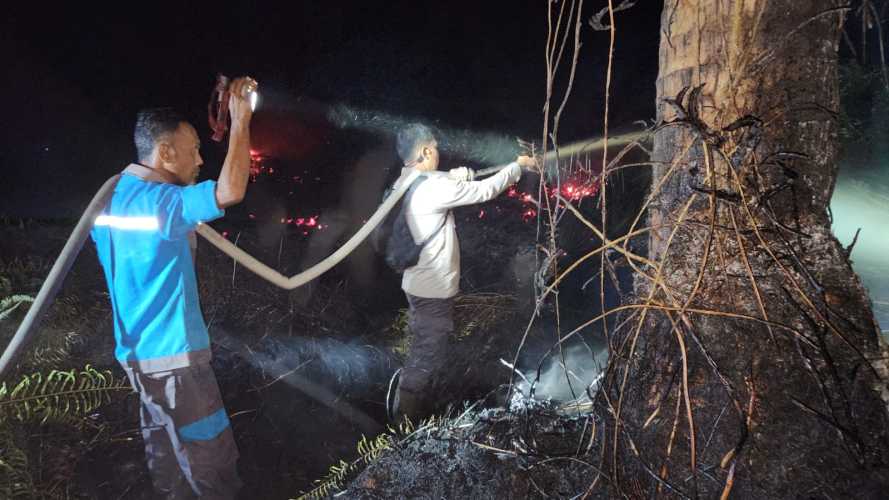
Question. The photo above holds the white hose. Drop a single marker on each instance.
(75, 242)
(274, 277)
(574, 149)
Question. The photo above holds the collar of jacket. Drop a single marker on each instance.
(149, 174)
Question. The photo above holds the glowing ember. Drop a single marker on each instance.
(256, 165)
(573, 190)
(529, 214)
(576, 192)
(304, 222)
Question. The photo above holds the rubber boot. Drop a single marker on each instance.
(410, 405)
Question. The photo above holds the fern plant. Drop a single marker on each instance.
(369, 451)
(53, 347)
(9, 304)
(63, 397)
(58, 396)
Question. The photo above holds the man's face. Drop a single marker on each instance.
(183, 156)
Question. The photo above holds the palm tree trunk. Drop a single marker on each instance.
(752, 366)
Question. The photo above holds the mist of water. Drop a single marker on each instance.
(325, 369)
(471, 145)
(573, 380)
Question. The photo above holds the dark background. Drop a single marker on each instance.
(75, 75)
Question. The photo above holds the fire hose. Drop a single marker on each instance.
(81, 231)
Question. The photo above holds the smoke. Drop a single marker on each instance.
(354, 366)
(325, 369)
(573, 381)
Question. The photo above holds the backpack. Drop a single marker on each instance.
(393, 239)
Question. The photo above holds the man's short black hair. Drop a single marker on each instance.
(410, 139)
(152, 125)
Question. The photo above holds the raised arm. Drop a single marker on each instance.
(232, 183)
(460, 193)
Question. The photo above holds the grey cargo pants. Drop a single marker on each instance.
(188, 440)
(431, 322)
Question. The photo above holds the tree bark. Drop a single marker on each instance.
(752, 364)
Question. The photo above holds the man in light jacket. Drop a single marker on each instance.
(432, 284)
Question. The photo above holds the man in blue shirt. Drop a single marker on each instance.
(144, 240)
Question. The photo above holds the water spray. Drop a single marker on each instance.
(482, 147)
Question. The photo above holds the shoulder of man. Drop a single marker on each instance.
(436, 179)
(133, 189)
(433, 182)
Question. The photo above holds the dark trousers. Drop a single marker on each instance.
(188, 440)
(431, 322)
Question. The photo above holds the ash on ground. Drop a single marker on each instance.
(531, 451)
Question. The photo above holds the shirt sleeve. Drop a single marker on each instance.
(183, 208)
(448, 193)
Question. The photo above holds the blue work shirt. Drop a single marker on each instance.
(142, 239)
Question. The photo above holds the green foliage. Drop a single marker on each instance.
(48, 417)
(399, 334)
(369, 451)
(58, 396)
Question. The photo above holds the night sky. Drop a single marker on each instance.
(75, 75)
